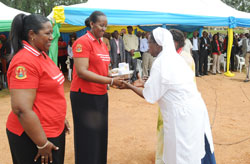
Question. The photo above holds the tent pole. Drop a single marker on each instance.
(229, 49)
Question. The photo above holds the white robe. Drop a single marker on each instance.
(171, 84)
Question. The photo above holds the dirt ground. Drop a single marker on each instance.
(132, 123)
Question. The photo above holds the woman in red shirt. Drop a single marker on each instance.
(216, 52)
(88, 94)
(35, 126)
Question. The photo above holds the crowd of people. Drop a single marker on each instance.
(121, 47)
(36, 126)
(205, 50)
(215, 46)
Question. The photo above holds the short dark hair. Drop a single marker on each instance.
(178, 37)
(129, 27)
(20, 27)
(113, 33)
(87, 22)
(94, 16)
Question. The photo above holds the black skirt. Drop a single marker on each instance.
(24, 150)
(90, 116)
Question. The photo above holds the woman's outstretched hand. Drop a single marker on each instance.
(125, 85)
(117, 81)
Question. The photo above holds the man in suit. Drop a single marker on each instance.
(204, 52)
(195, 51)
(117, 50)
(246, 54)
(233, 51)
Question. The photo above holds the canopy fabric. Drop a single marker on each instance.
(179, 27)
(5, 25)
(7, 14)
(147, 12)
(67, 28)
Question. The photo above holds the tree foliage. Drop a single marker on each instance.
(242, 5)
(43, 7)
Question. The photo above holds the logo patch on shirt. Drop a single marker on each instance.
(21, 72)
(78, 48)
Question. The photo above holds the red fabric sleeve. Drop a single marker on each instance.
(23, 76)
(81, 49)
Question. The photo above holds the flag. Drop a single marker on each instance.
(53, 50)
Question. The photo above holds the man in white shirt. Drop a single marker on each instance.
(131, 44)
(195, 51)
(147, 58)
(204, 52)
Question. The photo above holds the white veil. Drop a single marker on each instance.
(174, 69)
(165, 39)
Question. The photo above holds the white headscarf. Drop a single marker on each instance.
(173, 68)
(165, 39)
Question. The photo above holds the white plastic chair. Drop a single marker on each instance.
(69, 69)
(223, 61)
(139, 67)
(209, 63)
(240, 62)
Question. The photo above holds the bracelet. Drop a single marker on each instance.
(112, 80)
(42, 147)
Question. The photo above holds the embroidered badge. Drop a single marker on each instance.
(78, 48)
(21, 72)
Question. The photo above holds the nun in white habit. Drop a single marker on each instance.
(171, 84)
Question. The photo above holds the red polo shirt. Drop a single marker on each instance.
(29, 69)
(62, 51)
(88, 47)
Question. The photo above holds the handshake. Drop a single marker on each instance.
(123, 83)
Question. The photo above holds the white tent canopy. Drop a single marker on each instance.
(146, 12)
(7, 14)
(190, 7)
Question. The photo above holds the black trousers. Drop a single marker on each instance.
(203, 59)
(117, 60)
(23, 150)
(71, 63)
(232, 64)
(196, 61)
(132, 64)
(90, 116)
(61, 62)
